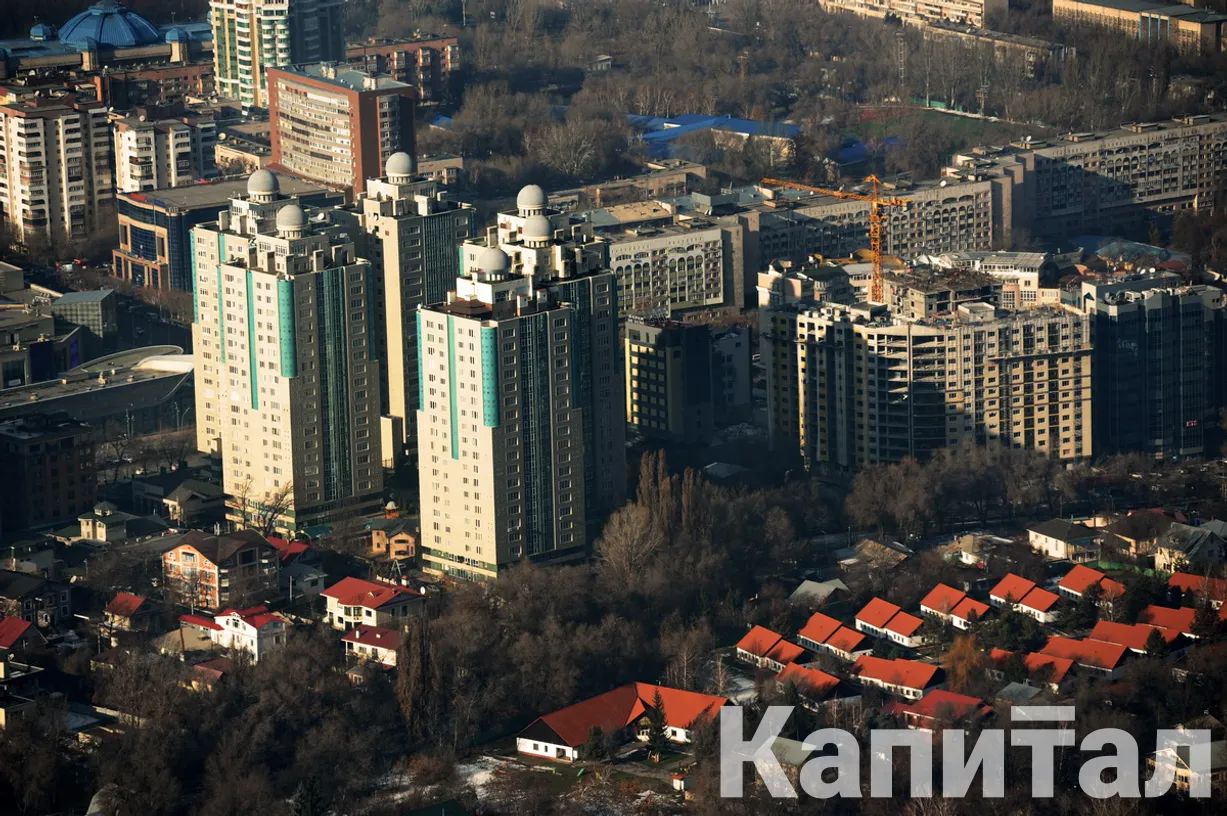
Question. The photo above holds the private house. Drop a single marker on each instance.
(16, 634)
(254, 631)
(128, 613)
(814, 595)
(1081, 578)
(620, 714)
(954, 606)
(373, 644)
(1174, 620)
(354, 601)
(1139, 532)
(1183, 547)
(1134, 636)
(816, 630)
(814, 687)
(213, 572)
(1212, 589)
(1022, 595)
(1097, 656)
(881, 618)
(826, 634)
(194, 502)
(300, 574)
(34, 598)
(942, 709)
(19, 688)
(1067, 540)
(905, 678)
(109, 524)
(1174, 763)
(1044, 669)
(766, 649)
(394, 539)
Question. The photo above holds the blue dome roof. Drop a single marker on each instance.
(176, 34)
(42, 31)
(109, 25)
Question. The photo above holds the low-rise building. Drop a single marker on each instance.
(34, 599)
(393, 538)
(1046, 670)
(1064, 540)
(906, 678)
(1187, 776)
(1135, 636)
(1079, 580)
(354, 601)
(1096, 656)
(127, 612)
(822, 633)
(940, 708)
(374, 644)
(1185, 547)
(766, 649)
(1022, 595)
(212, 572)
(254, 631)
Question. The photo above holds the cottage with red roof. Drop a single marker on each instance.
(822, 633)
(620, 714)
(372, 643)
(1095, 655)
(1041, 668)
(944, 708)
(814, 686)
(906, 678)
(127, 612)
(881, 618)
(1022, 595)
(767, 649)
(946, 603)
(16, 634)
(255, 631)
(1133, 635)
(1081, 578)
(1215, 589)
(354, 601)
(1176, 620)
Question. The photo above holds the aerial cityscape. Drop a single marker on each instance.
(620, 407)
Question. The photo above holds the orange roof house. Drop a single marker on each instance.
(817, 629)
(1025, 596)
(765, 648)
(847, 643)
(1098, 655)
(906, 677)
(1012, 589)
(1135, 636)
(812, 684)
(942, 599)
(945, 706)
(1214, 589)
(1056, 669)
(967, 611)
(876, 614)
(1176, 620)
(1081, 578)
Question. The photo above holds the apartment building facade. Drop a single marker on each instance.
(669, 380)
(671, 268)
(427, 64)
(251, 36)
(335, 125)
(153, 152)
(850, 386)
(1186, 28)
(913, 12)
(55, 165)
(51, 475)
(520, 422)
(288, 386)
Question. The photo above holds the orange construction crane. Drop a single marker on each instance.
(876, 203)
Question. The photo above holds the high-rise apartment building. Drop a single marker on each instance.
(855, 385)
(669, 380)
(287, 384)
(55, 165)
(1160, 365)
(520, 414)
(671, 268)
(410, 231)
(251, 36)
(335, 125)
(154, 151)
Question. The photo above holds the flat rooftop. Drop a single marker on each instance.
(217, 193)
(342, 76)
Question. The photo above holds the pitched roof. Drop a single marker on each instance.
(12, 630)
(1012, 588)
(1097, 654)
(898, 672)
(16, 585)
(811, 683)
(819, 627)
(367, 594)
(256, 616)
(785, 652)
(220, 548)
(1080, 579)
(845, 639)
(940, 703)
(1192, 540)
(618, 708)
(1036, 662)
(942, 598)
(289, 549)
(1177, 620)
(877, 612)
(1062, 530)
(1141, 525)
(816, 592)
(759, 641)
(201, 621)
(378, 637)
(1133, 635)
(125, 605)
(904, 624)
(968, 608)
(1039, 599)
(1213, 588)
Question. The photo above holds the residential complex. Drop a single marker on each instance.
(50, 471)
(669, 380)
(55, 166)
(672, 268)
(153, 151)
(409, 230)
(520, 421)
(155, 227)
(1186, 28)
(850, 386)
(428, 64)
(335, 125)
(251, 36)
(287, 379)
(968, 12)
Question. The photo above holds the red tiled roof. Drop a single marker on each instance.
(367, 594)
(1012, 588)
(124, 605)
(620, 707)
(1096, 653)
(819, 627)
(877, 612)
(942, 598)
(811, 683)
(199, 620)
(1039, 599)
(1133, 635)
(288, 550)
(969, 607)
(785, 652)
(376, 636)
(759, 641)
(1080, 579)
(12, 630)
(904, 624)
(1213, 588)
(1035, 661)
(947, 704)
(1178, 620)
(845, 639)
(898, 672)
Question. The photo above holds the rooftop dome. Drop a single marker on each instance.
(537, 228)
(492, 259)
(398, 164)
(42, 32)
(109, 25)
(291, 217)
(262, 182)
(531, 197)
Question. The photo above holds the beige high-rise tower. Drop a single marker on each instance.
(287, 384)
